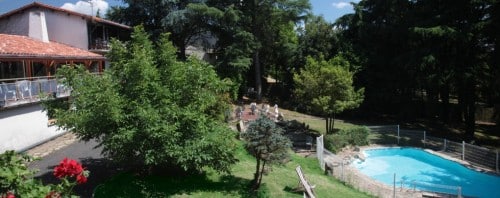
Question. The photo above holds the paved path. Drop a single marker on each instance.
(84, 152)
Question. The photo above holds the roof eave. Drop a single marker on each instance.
(20, 56)
(88, 17)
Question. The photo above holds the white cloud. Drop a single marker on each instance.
(89, 7)
(341, 5)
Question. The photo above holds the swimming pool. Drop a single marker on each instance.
(416, 166)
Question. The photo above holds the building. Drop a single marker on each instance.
(36, 40)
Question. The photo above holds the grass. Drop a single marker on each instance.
(315, 123)
(280, 182)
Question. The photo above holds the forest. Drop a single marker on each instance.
(408, 59)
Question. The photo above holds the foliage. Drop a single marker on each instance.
(318, 38)
(356, 136)
(326, 87)
(418, 55)
(266, 142)
(16, 179)
(151, 109)
(158, 17)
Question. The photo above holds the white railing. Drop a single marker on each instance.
(419, 138)
(338, 167)
(319, 151)
(25, 91)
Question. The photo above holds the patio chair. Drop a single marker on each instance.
(9, 91)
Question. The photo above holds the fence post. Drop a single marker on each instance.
(342, 166)
(444, 145)
(425, 141)
(497, 161)
(394, 187)
(459, 192)
(463, 150)
(398, 134)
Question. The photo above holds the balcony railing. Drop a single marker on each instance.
(24, 91)
(99, 44)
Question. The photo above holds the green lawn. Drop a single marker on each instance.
(280, 182)
(315, 123)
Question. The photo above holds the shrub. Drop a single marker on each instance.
(357, 136)
(16, 180)
(334, 142)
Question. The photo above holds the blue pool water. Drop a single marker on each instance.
(424, 168)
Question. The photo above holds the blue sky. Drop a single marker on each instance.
(330, 9)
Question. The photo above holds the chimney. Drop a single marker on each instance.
(38, 26)
(43, 24)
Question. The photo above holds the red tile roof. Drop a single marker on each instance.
(15, 46)
(88, 17)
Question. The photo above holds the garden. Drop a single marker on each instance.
(167, 118)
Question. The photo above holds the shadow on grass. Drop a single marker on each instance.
(129, 185)
(293, 190)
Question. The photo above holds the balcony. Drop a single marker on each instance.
(99, 46)
(23, 91)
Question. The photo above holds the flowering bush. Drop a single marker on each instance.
(16, 180)
(68, 171)
(8, 195)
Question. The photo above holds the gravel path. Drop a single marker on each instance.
(68, 145)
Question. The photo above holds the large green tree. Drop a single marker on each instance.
(424, 52)
(326, 88)
(150, 108)
(264, 18)
(187, 21)
(265, 141)
(318, 38)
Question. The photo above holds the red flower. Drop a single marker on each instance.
(80, 179)
(68, 167)
(8, 195)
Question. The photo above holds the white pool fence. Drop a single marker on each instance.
(392, 135)
(476, 155)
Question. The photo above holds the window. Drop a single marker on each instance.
(11, 69)
(38, 69)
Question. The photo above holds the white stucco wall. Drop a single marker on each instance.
(67, 29)
(17, 24)
(35, 25)
(23, 127)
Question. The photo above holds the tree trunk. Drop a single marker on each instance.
(330, 123)
(470, 110)
(445, 104)
(258, 80)
(256, 175)
(260, 177)
(182, 52)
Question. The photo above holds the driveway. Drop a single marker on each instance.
(100, 168)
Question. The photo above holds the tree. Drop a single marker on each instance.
(150, 108)
(186, 20)
(318, 38)
(326, 88)
(266, 142)
(425, 51)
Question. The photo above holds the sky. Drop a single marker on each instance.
(330, 9)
